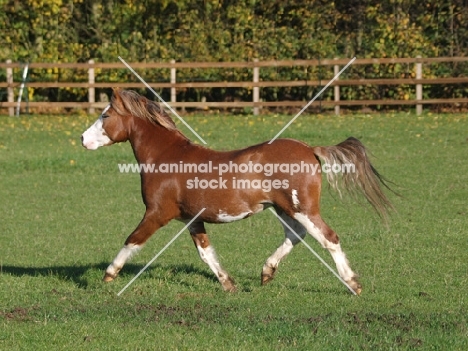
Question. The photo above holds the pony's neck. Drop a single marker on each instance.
(151, 142)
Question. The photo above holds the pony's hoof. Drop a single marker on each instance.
(266, 278)
(268, 274)
(108, 278)
(231, 289)
(229, 286)
(355, 285)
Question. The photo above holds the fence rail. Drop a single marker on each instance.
(255, 84)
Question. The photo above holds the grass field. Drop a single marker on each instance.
(66, 213)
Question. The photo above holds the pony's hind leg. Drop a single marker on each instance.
(290, 240)
(208, 255)
(329, 240)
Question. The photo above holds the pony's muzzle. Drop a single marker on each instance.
(95, 136)
(88, 144)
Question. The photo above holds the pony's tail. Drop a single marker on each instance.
(347, 166)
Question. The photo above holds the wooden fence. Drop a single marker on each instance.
(255, 84)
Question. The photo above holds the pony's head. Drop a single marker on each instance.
(115, 122)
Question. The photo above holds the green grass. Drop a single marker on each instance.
(66, 213)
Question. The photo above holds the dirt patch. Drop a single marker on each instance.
(19, 314)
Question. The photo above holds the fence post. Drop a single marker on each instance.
(91, 90)
(10, 92)
(256, 89)
(336, 70)
(173, 81)
(419, 94)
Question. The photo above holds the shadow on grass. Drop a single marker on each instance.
(79, 274)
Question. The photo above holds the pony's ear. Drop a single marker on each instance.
(116, 99)
(116, 93)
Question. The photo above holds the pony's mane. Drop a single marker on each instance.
(141, 107)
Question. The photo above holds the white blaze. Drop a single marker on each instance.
(95, 135)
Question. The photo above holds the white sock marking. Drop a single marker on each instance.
(284, 249)
(208, 255)
(124, 254)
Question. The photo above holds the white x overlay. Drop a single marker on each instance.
(204, 142)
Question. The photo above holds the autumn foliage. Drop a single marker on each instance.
(241, 30)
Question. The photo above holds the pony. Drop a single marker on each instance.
(185, 177)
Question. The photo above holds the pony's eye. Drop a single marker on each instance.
(103, 114)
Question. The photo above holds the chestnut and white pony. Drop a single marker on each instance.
(174, 195)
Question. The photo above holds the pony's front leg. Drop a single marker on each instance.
(208, 255)
(148, 225)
